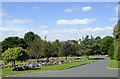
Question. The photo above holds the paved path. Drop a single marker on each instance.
(96, 69)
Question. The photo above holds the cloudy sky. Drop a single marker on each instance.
(58, 20)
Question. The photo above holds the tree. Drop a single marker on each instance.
(98, 37)
(74, 41)
(105, 43)
(36, 49)
(48, 50)
(0, 50)
(89, 46)
(117, 41)
(111, 51)
(12, 42)
(80, 50)
(67, 49)
(29, 37)
(15, 54)
(57, 46)
(96, 48)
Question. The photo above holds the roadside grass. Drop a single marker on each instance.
(54, 67)
(114, 64)
(0, 71)
(97, 56)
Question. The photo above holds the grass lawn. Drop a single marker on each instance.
(114, 64)
(54, 67)
(98, 56)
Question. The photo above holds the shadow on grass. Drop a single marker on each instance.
(96, 58)
(78, 58)
(33, 69)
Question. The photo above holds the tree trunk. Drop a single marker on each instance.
(37, 60)
(21, 61)
(66, 58)
(87, 56)
(47, 59)
(14, 63)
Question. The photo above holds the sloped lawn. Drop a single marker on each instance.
(114, 64)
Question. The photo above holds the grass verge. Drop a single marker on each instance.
(54, 67)
(97, 56)
(114, 64)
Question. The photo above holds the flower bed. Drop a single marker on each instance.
(52, 61)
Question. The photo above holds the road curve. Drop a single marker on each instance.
(96, 69)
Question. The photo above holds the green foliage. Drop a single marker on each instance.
(74, 41)
(48, 50)
(98, 37)
(67, 49)
(0, 50)
(57, 46)
(36, 48)
(105, 43)
(30, 37)
(89, 46)
(117, 41)
(13, 54)
(111, 51)
(12, 42)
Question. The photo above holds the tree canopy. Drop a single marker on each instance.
(111, 51)
(12, 42)
(98, 37)
(29, 37)
(48, 50)
(67, 49)
(117, 41)
(13, 54)
(105, 43)
(36, 49)
(88, 46)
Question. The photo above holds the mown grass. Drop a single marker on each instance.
(97, 56)
(114, 64)
(54, 67)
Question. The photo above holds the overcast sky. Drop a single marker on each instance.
(58, 20)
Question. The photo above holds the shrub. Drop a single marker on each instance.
(111, 51)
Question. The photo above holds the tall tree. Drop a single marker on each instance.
(111, 51)
(98, 37)
(88, 46)
(0, 50)
(12, 42)
(30, 37)
(105, 43)
(36, 49)
(117, 41)
(48, 50)
(67, 49)
(74, 41)
(57, 46)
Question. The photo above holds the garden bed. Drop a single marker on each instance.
(45, 68)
